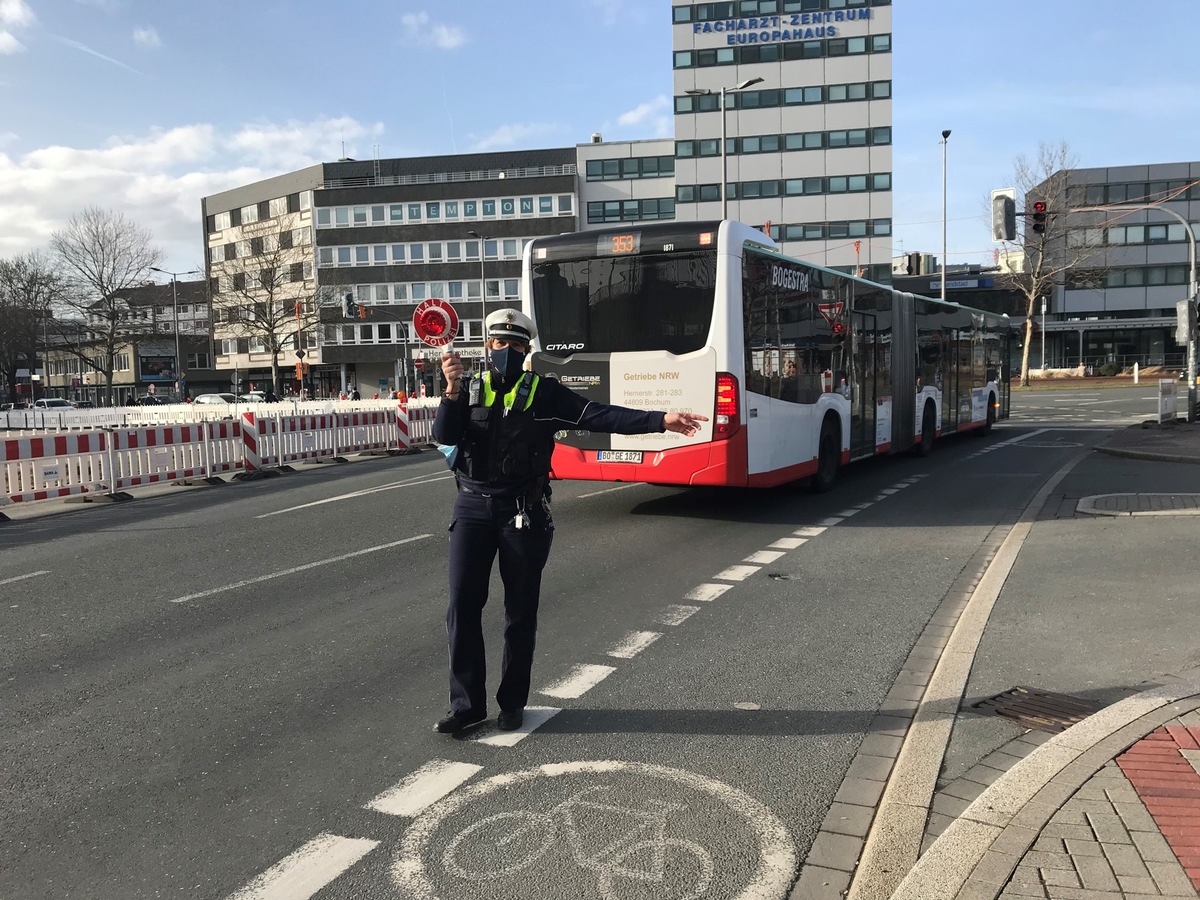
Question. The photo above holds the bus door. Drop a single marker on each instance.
(864, 364)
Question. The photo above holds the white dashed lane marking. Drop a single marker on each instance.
(764, 556)
(23, 577)
(847, 513)
(810, 531)
(736, 573)
(830, 522)
(788, 543)
(303, 873)
(706, 593)
(634, 643)
(535, 718)
(426, 786)
(677, 614)
(578, 682)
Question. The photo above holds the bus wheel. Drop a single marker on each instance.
(991, 414)
(828, 457)
(928, 431)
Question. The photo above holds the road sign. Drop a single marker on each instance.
(299, 354)
(435, 322)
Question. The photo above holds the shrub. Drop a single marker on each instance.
(1109, 369)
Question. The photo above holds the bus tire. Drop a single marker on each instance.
(928, 430)
(829, 457)
(991, 415)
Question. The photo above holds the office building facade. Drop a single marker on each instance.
(386, 234)
(1119, 304)
(802, 91)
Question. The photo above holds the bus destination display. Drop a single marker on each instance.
(619, 244)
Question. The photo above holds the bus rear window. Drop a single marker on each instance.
(621, 304)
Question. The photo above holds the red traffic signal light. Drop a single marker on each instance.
(1039, 216)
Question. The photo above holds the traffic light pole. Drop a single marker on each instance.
(1192, 287)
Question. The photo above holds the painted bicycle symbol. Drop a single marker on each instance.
(509, 842)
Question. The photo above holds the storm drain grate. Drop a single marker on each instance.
(1043, 710)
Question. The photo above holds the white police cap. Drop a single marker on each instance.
(511, 324)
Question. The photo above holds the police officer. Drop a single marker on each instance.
(502, 424)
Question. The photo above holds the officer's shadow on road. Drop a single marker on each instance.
(722, 721)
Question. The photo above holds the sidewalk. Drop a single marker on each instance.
(1108, 808)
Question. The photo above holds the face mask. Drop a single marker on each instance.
(508, 364)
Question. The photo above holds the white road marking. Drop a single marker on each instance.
(677, 614)
(830, 522)
(811, 531)
(578, 682)
(295, 569)
(881, 497)
(847, 513)
(634, 643)
(788, 543)
(763, 556)
(623, 487)
(23, 577)
(411, 482)
(303, 873)
(887, 492)
(734, 573)
(535, 717)
(767, 872)
(863, 506)
(706, 593)
(426, 786)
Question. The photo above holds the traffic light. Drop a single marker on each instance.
(1039, 216)
(912, 265)
(839, 335)
(1004, 217)
(350, 307)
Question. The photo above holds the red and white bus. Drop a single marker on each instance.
(801, 369)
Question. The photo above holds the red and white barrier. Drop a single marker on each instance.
(111, 460)
(40, 468)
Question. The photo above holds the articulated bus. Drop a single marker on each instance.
(800, 369)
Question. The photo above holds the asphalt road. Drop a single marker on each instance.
(230, 691)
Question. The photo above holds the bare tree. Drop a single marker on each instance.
(102, 255)
(1063, 249)
(266, 292)
(29, 289)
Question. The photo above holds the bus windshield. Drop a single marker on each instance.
(654, 301)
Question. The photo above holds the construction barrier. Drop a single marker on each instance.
(110, 460)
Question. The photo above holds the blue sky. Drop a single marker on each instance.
(145, 106)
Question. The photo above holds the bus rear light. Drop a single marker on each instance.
(706, 238)
(728, 414)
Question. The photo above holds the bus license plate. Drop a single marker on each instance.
(627, 456)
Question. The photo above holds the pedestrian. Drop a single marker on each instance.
(355, 395)
(503, 423)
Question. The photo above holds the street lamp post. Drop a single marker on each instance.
(179, 374)
(944, 141)
(741, 85)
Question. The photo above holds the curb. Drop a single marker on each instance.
(1147, 455)
(978, 853)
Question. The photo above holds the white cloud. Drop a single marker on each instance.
(146, 37)
(654, 116)
(644, 111)
(16, 13)
(157, 178)
(517, 134)
(418, 30)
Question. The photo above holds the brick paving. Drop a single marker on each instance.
(1168, 783)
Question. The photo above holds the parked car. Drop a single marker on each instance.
(84, 404)
(215, 398)
(150, 400)
(52, 403)
(253, 397)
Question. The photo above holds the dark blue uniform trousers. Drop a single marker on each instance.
(481, 528)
